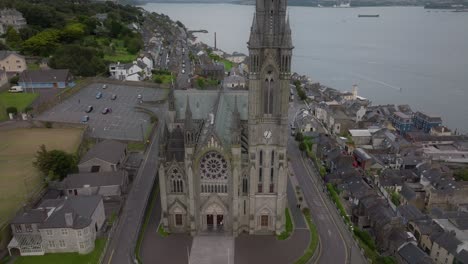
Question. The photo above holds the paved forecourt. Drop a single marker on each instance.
(123, 123)
(215, 249)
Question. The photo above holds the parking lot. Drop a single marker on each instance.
(124, 122)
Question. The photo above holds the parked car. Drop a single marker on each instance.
(114, 96)
(89, 109)
(104, 86)
(99, 95)
(16, 89)
(85, 119)
(139, 96)
(183, 71)
(105, 111)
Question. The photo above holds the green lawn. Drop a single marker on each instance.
(68, 258)
(33, 66)
(163, 78)
(18, 100)
(120, 54)
(313, 242)
(227, 65)
(19, 179)
(289, 227)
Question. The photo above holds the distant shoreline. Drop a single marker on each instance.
(292, 3)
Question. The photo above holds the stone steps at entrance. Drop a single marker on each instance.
(212, 249)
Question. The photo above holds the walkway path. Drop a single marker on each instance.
(212, 250)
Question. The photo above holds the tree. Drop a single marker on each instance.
(54, 164)
(302, 146)
(82, 61)
(133, 44)
(73, 32)
(13, 38)
(461, 174)
(43, 43)
(299, 137)
(14, 80)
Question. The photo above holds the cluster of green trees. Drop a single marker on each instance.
(55, 164)
(300, 92)
(69, 32)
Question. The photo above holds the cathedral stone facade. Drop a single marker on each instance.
(223, 153)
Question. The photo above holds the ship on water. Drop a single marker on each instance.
(376, 15)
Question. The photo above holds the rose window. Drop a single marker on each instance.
(213, 166)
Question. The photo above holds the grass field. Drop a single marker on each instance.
(120, 53)
(18, 100)
(69, 258)
(18, 147)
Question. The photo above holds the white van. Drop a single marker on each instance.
(16, 89)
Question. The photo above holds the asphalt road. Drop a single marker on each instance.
(335, 240)
(122, 245)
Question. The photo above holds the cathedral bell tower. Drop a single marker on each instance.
(270, 51)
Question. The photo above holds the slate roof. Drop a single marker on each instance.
(97, 179)
(217, 102)
(6, 53)
(33, 216)
(462, 256)
(448, 241)
(409, 212)
(411, 254)
(107, 150)
(81, 207)
(45, 76)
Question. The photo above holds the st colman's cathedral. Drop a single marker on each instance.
(223, 152)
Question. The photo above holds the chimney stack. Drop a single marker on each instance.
(69, 219)
(215, 42)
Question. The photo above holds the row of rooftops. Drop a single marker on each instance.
(50, 213)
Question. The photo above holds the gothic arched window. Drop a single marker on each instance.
(176, 181)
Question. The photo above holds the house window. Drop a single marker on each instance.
(260, 175)
(18, 229)
(95, 168)
(51, 244)
(178, 219)
(272, 187)
(272, 158)
(260, 188)
(81, 244)
(245, 203)
(79, 233)
(62, 243)
(86, 230)
(64, 231)
(261, 158)
(49, 232)
(29, 228)
(264, 220)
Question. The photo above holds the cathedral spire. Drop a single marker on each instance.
(171, 99)
(188, 116)
(235, 124)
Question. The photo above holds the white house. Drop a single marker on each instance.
(136, 71)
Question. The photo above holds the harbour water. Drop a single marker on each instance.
(407, 55)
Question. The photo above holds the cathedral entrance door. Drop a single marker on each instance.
(209, 221)
(219, 221)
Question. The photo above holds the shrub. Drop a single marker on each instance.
(28, 109)
(153, 119)
(48, 124)
(299, 136)
(302, 146)
(12, 110)
(14, 80)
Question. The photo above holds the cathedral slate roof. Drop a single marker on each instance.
(220, 103)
